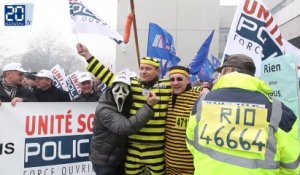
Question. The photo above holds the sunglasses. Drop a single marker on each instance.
(177, 79)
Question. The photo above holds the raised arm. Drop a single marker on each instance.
(95, 66)
(83, 51)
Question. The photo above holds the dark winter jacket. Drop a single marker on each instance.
(111, 128)
(93, 97)
(52, 95)
(22, 92)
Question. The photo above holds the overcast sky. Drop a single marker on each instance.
(54, 15)
(229, 2)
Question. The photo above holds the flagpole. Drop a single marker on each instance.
(135, 32)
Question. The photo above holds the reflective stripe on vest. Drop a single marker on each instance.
(292, 165)
(268, 163)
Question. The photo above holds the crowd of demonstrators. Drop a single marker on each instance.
(88, 93)
(18, 85)
(178, 158)
(11, 89)
(237, 129)
(264, 150)
(113, 124)
(165, 126)
(46, 91)
(146, 148)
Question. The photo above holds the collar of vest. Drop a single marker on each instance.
(242, 81)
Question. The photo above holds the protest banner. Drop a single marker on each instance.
(46, 138)
(281, 74)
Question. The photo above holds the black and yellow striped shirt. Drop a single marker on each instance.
(154, 131)
(176, 153)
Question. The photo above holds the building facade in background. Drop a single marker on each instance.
(191, 21)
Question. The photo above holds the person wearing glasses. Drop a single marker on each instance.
(145, 151)
(11, 89)
(179, 160)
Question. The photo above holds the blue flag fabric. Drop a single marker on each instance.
(193, 78)
(164, 68)
(201, 55)
(206, 71)
(161, 44)
(215, 62)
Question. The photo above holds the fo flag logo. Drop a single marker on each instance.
(18, 14)
(254, 33)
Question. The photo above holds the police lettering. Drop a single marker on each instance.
(44, 151)
(35, 149)
(72, 88)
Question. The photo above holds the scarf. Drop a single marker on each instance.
(11, 90)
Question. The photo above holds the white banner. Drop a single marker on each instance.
(59, 77)
(254, 33)
(73, 85)
(46, 138)
(289, 48)
(275, 74)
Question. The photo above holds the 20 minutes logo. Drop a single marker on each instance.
(18, 14)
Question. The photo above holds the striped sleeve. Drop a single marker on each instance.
(100, 71)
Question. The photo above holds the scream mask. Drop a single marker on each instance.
(120, 91)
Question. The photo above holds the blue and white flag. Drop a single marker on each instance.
(201, 55)
(84, 21)
(161, 44)
(254, 33)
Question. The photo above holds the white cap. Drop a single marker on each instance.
(13, 66)
(84, 76)
(124, 78)
(45, 74)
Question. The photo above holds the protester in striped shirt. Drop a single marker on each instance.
(146, 148)
(179, 160)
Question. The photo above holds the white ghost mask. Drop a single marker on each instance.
(120, 91)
